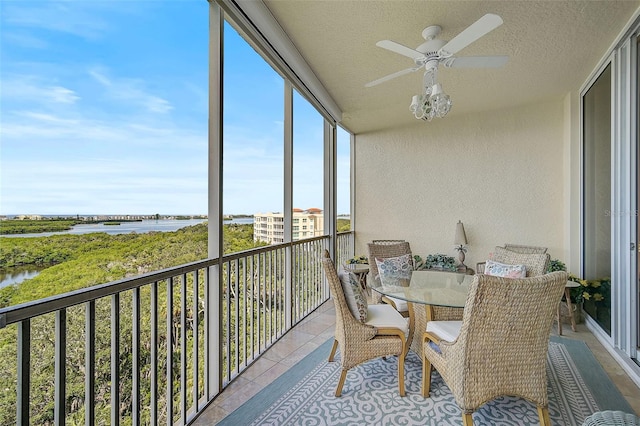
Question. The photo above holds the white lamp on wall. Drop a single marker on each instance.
(460, 242)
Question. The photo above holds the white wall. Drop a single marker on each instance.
(500, 172)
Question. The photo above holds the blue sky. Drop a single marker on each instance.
(103, 110)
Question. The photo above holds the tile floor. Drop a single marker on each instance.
(319, 327)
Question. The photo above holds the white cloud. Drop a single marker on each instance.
(130, 90)
(25, 41)
(35, 90)
(65, 17)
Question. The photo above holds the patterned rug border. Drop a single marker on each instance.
(601, 387)
(605, 392)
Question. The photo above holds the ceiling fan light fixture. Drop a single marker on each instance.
(434, 102)
(421, 107)
(440, 101)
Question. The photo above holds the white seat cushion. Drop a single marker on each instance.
(381, 315)
(445, 330)
(401, 305)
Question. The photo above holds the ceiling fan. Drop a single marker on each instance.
(433, 52)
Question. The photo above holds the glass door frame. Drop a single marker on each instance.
(624, 341)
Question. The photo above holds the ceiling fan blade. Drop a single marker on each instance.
(476, 62)
(472, 33)
(392, 76)
(400, 48)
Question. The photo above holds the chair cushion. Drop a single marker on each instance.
(498, 269)
(445, 330)
(401, 305)
(382, 315)
(395, 271)
(355, 297)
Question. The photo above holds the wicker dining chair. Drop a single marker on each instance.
(536, 263)
(383, 333)
(535, 259)
(384, 249)
(500, 346)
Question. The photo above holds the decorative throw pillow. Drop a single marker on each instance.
(356, 299)
(498, 269)
(395, 271)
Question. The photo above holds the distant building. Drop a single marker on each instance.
(29, 217)
(269, 227)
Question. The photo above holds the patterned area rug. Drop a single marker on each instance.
(370, 396)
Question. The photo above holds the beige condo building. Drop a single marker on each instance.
(269, 227)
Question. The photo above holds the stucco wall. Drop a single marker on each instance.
(500, 172)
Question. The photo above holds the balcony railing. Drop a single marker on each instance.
(143, 350)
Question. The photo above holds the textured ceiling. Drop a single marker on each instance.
(552, 46)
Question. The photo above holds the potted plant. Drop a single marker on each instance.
(358, 260)
(592, 295)
(558, 265)
(440, 262)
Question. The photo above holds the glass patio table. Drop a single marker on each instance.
(422, 292)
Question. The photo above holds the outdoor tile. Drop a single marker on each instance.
(321, 338)
(212, 415)
(289, 344)
(239, 398)
(313, 328)
(234, 388)
(258, 367)
(298, 355)
(270, 375)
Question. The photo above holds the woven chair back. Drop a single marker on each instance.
(505, 335)
(518, 248)
(387, 241)
(385, 251)
(335, 287)
(536, 263)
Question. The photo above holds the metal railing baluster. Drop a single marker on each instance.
(60, 406)
(183, 348)
(154, 354)
(227, 293)
(262, 322)
(236, 301)
(196, 346)
(90, 363)
(169, 372)
(135, 346)
(23, 372)
(207, 325)
(115, 359)
(245, 352)
(253, 304)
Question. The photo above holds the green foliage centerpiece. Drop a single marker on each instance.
(358, 260)
(435, 261)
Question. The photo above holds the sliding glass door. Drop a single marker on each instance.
(597, 197)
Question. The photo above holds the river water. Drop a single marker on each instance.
(16, 275)
(142, 227)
